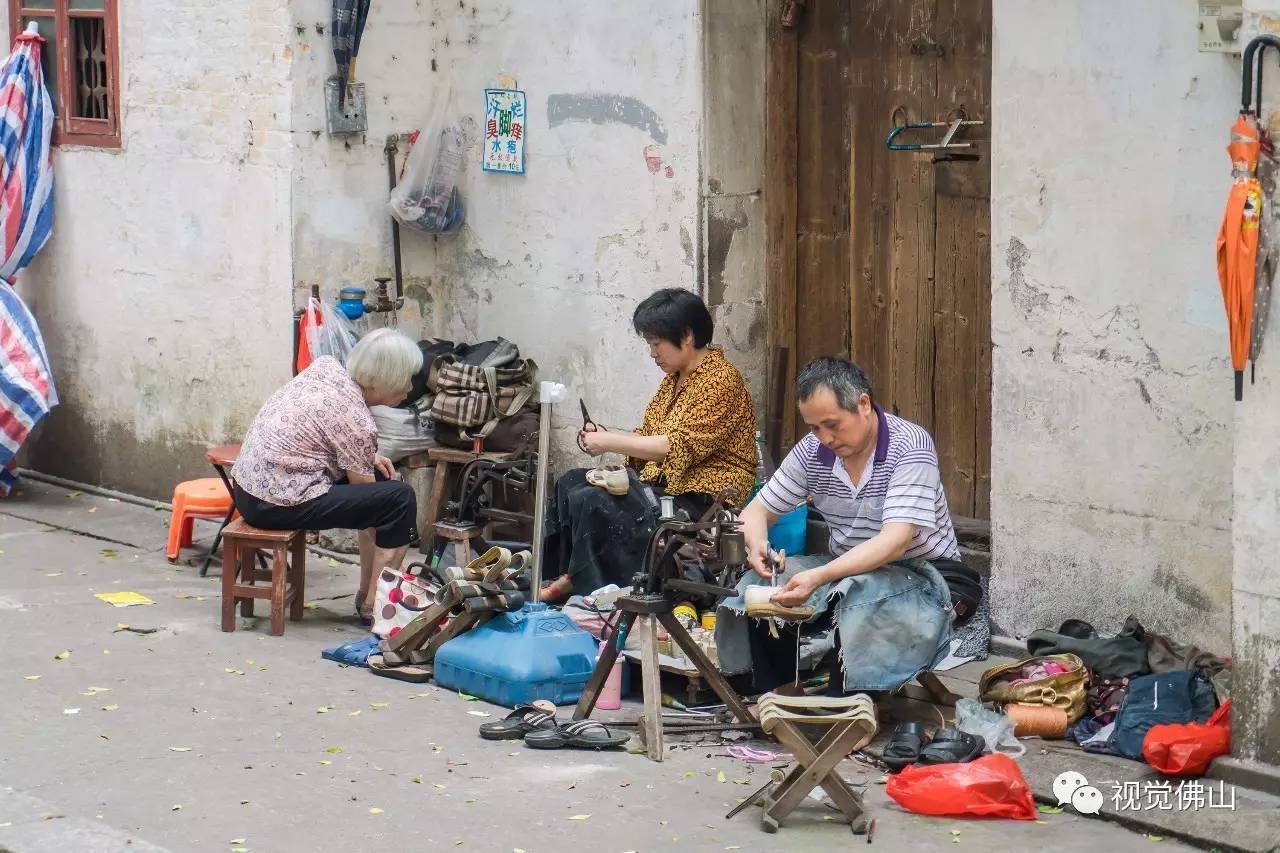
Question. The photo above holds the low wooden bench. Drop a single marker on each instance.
(286, 578)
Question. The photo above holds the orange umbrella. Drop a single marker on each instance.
(1238, 242)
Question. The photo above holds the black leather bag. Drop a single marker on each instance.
(965, 585)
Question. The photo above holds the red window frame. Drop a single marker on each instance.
(70, 129)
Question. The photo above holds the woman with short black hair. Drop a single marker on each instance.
(696, 443)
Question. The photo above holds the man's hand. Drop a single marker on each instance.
(799, 588)
(596, 441)
(759, 558)
(385, 467)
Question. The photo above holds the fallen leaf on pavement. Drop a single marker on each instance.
(468, 697)
(375, 810)
(472, 800)
(231, 671)
(333, 750)
(324, 709)
(311, 605)
(417, 780)
(1043, 809)
(689, 774)
(74, 494)
(1155, 837)
(110, 707)
(93, 509)
(121, 626)
(325, 761)
(71, 710)
(177, 807)
(378, 706)
(179, 749)
(354, 713)
(110, 552)
(720, 777)
(438, 785)
(480, 713)
(236, 841)
(53, 574)
(31, 677)
(334, 562)
(580, 817)
(62, 655)
(742, 781)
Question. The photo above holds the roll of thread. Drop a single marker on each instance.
(1037, 721)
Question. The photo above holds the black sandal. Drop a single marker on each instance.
(520, 722)
(581, 734)
(904, 745)
(952, 746)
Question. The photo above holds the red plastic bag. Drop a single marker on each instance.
(1186, 749)
(992, 786)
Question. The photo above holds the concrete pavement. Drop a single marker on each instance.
(192, 739)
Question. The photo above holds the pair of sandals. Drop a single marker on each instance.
(535, 724)
(469, 596)
(911, 743)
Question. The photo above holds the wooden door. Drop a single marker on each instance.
(879, 255)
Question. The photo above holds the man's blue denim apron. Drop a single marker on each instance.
(894, 622)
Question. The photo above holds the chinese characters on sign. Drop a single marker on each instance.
(504, 131)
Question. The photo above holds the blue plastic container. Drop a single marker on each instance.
(788, 532)
(536, 653)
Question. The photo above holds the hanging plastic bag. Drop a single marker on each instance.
(427, 196)
(991, 786)
(1187, 749)
(994, 727)
(328, 331)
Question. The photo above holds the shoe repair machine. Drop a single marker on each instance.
(656, 590)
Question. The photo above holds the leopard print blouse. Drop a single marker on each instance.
(710, 425)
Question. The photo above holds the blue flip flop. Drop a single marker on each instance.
(354, 653)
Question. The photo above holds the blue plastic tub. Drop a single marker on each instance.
(788, 532)
(535, 653)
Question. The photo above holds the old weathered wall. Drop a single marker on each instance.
(1112, 409)
(1255, 713)
(611, 206)
(164, 295)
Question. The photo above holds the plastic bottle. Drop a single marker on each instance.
(610, 698)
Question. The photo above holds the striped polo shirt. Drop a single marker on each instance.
(901, 482)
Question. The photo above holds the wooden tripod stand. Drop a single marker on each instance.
(657, 610)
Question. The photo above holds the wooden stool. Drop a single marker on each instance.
(852, 725)
(240, 543)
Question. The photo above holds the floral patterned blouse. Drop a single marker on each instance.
(710, 425)
(307, 435)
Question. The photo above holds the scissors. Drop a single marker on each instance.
(588, 425)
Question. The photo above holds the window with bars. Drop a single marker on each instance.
(81, 65)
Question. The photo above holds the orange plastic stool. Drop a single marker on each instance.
(204, 498)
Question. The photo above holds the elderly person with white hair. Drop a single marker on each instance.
(310, 459)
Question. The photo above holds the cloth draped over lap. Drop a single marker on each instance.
(894, 622)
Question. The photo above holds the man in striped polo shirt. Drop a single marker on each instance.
(875, 479)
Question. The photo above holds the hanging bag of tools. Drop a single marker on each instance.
(485, 394)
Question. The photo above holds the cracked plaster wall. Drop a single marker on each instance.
(611, 206)
(1255, 711)
(163, 296)
(1112, 423)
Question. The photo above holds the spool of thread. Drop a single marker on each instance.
(1037, 721)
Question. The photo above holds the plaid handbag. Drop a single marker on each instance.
(471, 396)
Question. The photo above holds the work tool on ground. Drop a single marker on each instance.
(656, 590)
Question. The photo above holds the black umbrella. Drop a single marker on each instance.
(349, 17)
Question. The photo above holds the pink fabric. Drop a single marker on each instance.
(307, 435)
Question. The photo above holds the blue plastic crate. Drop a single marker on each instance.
(535, 653)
